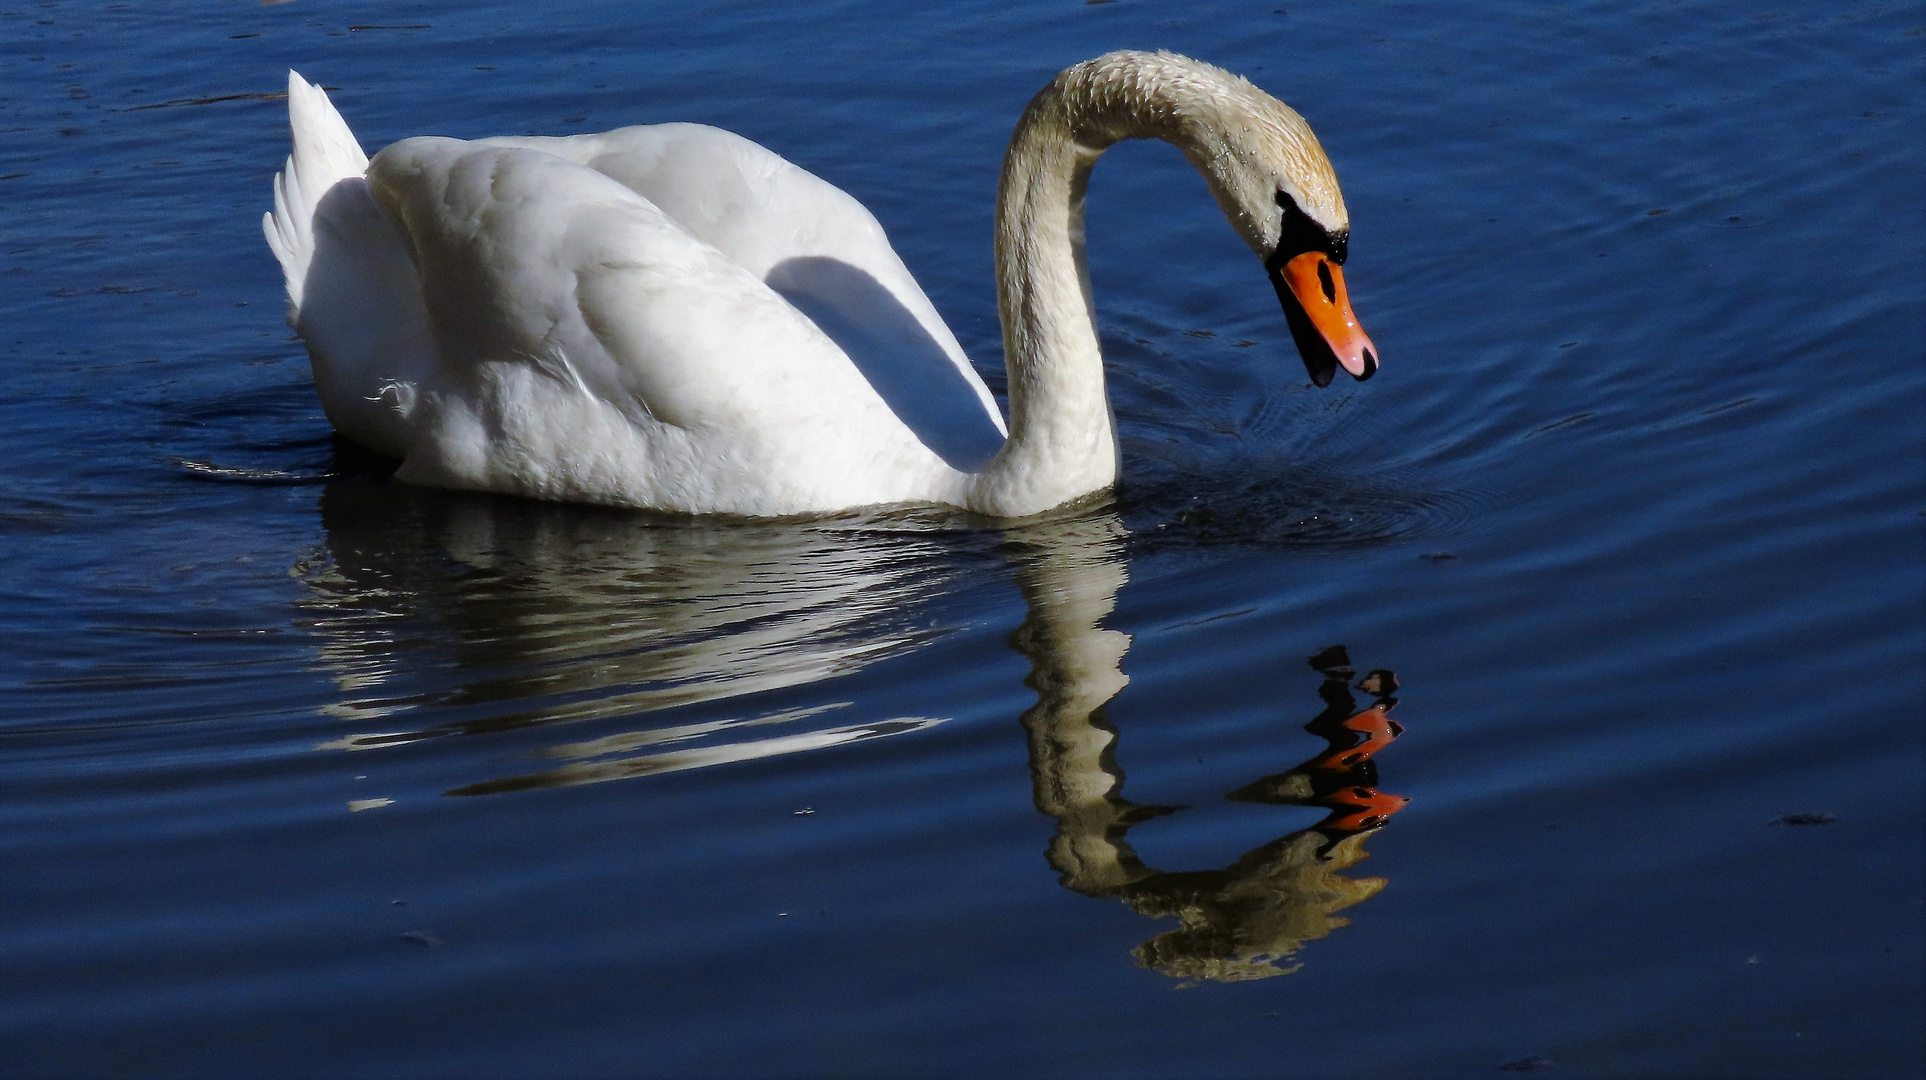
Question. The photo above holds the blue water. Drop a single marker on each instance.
(307, 773)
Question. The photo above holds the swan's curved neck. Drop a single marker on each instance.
(1063, 438)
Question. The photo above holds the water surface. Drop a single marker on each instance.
(304, 772)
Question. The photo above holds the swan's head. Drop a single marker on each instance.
(1275, 184)
(1263, 164)
(1305, 265)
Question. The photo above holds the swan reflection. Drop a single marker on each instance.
(490, 615)
(1237, 923)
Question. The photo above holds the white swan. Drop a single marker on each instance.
(674, 317)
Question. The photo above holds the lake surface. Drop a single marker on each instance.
(307, 773)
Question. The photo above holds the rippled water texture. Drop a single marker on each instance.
(1596, 617)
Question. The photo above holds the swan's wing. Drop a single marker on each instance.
(533, 264)
(353, 295)
(822, 251)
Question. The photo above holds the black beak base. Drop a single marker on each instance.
(1319, 360)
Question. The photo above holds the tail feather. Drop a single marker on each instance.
(353, 294)
(325, 153)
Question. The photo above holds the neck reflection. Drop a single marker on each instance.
(1238, 923)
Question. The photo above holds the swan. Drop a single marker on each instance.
(673, 317)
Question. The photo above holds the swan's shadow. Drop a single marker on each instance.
(908, 368)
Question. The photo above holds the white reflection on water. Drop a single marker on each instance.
(484, 614)
(623, 768)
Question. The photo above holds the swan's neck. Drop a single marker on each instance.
(1063, 438)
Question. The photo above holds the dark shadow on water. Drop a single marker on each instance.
(1278, 504)
(332, 457)
(915, 377)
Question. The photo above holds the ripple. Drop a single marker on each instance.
(24, 514)
(1309, 509)
(698, 757)
(236, 474)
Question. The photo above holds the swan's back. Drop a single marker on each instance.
(660, 316)
(817, 247)
(593, 350)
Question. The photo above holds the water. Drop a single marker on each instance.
(309, 773)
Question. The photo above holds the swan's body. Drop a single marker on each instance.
(674, 317)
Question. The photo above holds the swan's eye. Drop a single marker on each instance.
(1297, 233)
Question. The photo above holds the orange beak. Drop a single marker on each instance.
(1311, 288)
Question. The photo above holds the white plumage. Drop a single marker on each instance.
(674, 317)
